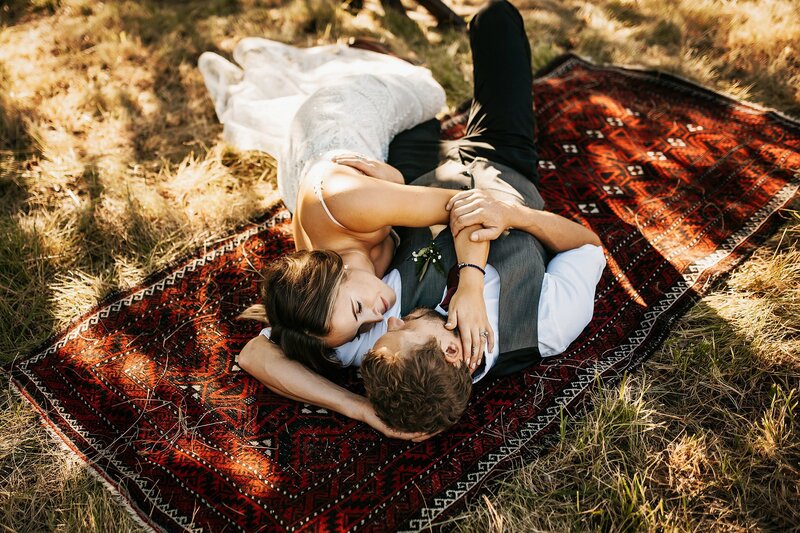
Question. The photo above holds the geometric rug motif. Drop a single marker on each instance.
(680, 183)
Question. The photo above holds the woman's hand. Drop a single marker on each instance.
(369, 416)
(467, 311)
(371, 167)
(473, 207)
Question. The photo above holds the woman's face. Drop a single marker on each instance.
(360, 303)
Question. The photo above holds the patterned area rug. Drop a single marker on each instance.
(680, 183)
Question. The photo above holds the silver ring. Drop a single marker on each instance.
(485, 334)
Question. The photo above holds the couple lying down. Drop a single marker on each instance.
(376, 282)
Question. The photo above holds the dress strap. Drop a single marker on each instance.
(318, 194)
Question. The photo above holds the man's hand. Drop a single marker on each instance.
(369, 416)
(371, 167)
(473, 207)
(467, 311)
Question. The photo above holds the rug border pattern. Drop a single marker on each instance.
(629, 353)
(161, 279)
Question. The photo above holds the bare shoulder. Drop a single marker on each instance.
(341, 183)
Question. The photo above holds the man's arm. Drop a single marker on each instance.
(566, 303)
(266, 362)
(556, 233)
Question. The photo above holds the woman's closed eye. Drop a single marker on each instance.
(356, 310)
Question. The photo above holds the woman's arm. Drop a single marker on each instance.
(364, 204)
(266, 362)
(467, 308)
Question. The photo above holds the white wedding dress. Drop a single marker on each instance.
(304, 105)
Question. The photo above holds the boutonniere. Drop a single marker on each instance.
(426, 256)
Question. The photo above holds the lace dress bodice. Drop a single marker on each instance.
(304, 105)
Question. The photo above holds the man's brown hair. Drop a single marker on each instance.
(418, 390)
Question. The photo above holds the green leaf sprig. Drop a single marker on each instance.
(426, 256)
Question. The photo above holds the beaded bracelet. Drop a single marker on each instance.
(464, 265)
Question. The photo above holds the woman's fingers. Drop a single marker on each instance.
(452, 319)
(476, 357)
(424, 436)
(466, 346)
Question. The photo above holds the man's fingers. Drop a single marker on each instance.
(459, 197)
(480, 235)
(470, 219)
(357, 164)
(455, 199)
(466, 208)
(463, 198)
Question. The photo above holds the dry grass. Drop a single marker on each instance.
(706, 436)
(111, 166)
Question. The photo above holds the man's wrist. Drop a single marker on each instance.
(516, 216)
(526, 219)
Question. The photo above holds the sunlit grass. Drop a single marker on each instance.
(111, 166)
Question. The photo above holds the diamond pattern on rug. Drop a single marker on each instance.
(679, 182)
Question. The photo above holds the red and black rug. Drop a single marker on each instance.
(681, 184)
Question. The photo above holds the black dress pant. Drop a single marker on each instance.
(501, 122)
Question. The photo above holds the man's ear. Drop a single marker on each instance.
(451, 354)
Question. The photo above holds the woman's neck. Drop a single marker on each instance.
(358, 260)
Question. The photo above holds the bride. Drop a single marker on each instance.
(328, 114)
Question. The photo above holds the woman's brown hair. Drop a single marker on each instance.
(297, 292)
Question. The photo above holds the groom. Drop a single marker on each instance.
(497, 156)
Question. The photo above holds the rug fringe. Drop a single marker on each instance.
(427, 517)
(62, 442)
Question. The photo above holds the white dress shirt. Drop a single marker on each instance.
(566, 305)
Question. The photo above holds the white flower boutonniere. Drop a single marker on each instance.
(426, 256)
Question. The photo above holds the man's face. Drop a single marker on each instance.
(417, 328)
